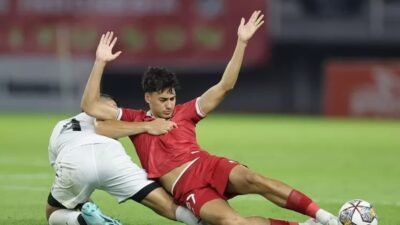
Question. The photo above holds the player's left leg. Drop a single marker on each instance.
(244, 181)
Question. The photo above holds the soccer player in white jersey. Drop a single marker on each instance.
(85, 161)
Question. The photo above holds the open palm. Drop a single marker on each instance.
(104, 49)
(246, 30)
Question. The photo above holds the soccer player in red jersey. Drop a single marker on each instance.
(198, 180)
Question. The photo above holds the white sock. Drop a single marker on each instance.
(308, 222)
(323, 216)
(64, 217)
(184, 215)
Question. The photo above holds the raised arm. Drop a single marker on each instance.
(91, 102)
(214, 96)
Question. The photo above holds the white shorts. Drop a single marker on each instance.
(104, 166)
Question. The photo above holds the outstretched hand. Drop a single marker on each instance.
(104, 49)
(246, 30)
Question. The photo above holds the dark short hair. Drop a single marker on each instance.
(157, 79)
(107, 96)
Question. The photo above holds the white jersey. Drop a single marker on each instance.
(85, 161)
(76, 131)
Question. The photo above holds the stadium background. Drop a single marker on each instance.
(316, 105)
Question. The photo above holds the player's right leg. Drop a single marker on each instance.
(218, 212)
(210, 206)
(244, 181)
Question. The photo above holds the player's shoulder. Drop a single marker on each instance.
(135, 111)
(131, 114)
(190, 106)
(189, 103)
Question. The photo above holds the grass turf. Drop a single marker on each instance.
(332, 160)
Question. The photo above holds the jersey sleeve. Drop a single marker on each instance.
(192, 110)
(129, 115)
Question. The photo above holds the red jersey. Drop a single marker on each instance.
(160, 154)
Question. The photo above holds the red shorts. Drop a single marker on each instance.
(203, 181)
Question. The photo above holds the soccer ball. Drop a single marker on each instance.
(357, 212)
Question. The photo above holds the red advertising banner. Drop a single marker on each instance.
(181, 33)
(362, 88)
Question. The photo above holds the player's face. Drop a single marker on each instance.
(161, 104)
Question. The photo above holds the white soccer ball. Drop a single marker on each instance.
(357, 212)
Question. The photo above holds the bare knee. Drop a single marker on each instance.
(267, 185)
(253, 178)
(256, 183)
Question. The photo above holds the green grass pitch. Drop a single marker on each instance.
(331, 160)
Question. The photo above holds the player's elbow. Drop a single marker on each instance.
(226, 87)
(229, 88)
(85, 106)
(88, 108)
